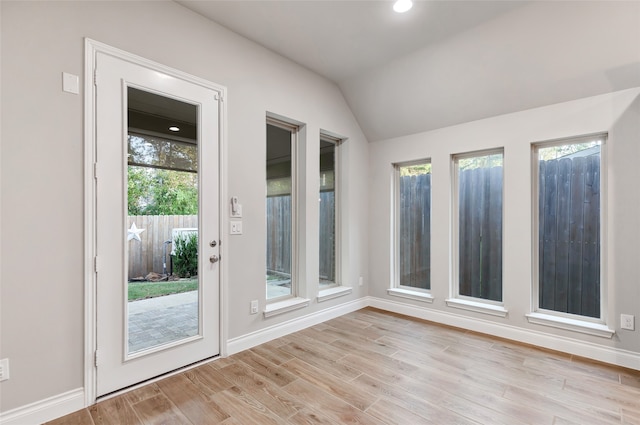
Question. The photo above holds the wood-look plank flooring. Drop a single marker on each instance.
(375, 367)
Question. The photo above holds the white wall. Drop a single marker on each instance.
(617, 113)
(42, 304)
(539, 53)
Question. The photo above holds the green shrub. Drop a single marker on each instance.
(185, 260)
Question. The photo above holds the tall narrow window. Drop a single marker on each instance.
(479, 225)
(568, 225)
(328, 225)
(413, 225)
(281, 210)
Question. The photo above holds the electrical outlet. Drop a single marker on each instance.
(360, 281)
(4, 369)
(626, 322)
(254, 307)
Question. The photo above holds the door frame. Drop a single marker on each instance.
(91, 263)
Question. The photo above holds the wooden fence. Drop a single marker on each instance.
(146, 256)
(414, 237)
(279, 235)
(569, 235)
(480, 228)
(480, 233)
(327, 233)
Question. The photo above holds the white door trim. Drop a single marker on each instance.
(92, 48)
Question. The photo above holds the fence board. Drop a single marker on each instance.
(591, 263)
(495, 235)
(476, 210)
(485, 233)
(415, 231)
(465, 230)
(576, 233)
(425, 248)
(404, 245)
(548, 235)
(542, 178)
(562, 233)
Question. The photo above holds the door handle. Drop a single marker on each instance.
(214, 258)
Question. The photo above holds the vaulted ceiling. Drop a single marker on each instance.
(446, 62)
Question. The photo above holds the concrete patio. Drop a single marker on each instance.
(160, 320)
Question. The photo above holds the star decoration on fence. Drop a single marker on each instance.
(134, 233)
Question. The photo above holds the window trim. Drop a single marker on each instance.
(396, 289)
(558, 319)
(571, 324)
(295, 130)
(456, 300)
(414, 294)
(327, 292)
(333, 292)
(284, 304)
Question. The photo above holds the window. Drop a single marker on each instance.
(328, 217)
(281, 210)
(413, 225)
(478, 211)
(567, 228)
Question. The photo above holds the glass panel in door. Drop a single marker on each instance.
(162, 221)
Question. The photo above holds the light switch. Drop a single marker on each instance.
(235, 227)
(70, 83)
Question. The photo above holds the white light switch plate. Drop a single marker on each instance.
(235, 227)
(70, 83)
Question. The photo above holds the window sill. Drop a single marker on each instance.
(412, 295)
(285, 306)
(589, 328)
(335, 292)
(478, 307)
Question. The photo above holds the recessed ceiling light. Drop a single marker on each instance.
(402, 6)
(174, 128)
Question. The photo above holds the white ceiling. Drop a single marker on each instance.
(446, 62)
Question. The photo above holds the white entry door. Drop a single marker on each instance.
(157, 222)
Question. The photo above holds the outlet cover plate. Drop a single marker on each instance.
(626, 322)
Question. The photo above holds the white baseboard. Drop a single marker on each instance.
(601, 353)
(244, 342)
(45, 410)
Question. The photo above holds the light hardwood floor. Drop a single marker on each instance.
(375, 367)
